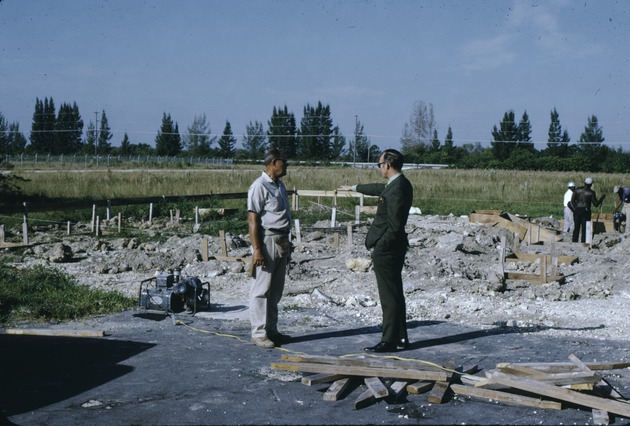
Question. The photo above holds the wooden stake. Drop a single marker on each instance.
(204, 249)
(298, 234)
(222, 242)
(349, 241)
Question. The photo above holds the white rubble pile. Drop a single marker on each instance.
(450, 274)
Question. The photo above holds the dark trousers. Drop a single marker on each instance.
(388, 267)
(581, 215)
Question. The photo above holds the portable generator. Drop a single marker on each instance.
(170, 292)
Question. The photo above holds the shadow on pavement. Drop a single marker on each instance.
(36, 371)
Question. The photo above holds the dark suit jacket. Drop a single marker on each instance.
(387, 233)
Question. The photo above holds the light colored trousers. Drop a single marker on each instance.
(568, 220)
(267, 287)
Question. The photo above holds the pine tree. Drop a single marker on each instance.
(558, 141)
(43, 127)
(4, 136)
(282, 132)
(168, 141)
(198, 140)
(255, 140)
(125, 145)
(360, 145)
(338, 144)
(505, 138)
(68, 130)
(524, 138)
(227, 142)
(104, 136)
(435, 142)
(593, 133)
(316, 133)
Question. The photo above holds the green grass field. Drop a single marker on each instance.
(441, 191)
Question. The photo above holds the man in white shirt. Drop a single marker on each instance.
(269, 219)
(568, 211)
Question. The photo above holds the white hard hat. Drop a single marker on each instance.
(616, 189)
(571, 184)
(588, 181)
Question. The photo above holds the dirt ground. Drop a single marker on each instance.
(450, 280)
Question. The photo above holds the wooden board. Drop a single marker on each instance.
(541, 388)
(350, 370)
(505, 397)
(567, 366)
(528, 257)
(49, 332)
(337, 389)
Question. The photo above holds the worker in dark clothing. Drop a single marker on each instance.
(581, 202)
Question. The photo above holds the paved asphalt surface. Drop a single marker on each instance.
(147, 370)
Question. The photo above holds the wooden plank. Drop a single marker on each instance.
(528, 257)
(567, 366)
(560, 379)
(337, 389)
(315, 379)
(438, 393)
(600, 417)
(506, 397)
(397, 389)
(350, 370)
(420, 387)
(49, 332)
(541, 388)
(222, 242)
(364, 400)
(532, 278)
(364, 362)
(378, 388)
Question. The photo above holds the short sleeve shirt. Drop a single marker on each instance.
(269, 199)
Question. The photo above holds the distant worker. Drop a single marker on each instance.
(568, 210)
(388, 238)
(581, 200)
(269, 219)
(623, 197)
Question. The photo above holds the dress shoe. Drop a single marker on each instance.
(279, 338)
(382, 347)
(403, 345)
(263, 342)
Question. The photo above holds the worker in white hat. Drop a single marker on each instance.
(568, 209)
(581, 201)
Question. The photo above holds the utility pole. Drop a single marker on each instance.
(95, 132)
(356, 136)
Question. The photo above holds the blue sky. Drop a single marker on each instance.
(235, 60)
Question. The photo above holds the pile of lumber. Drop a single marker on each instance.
(540, 385)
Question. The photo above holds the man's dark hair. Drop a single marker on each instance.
(393, 158)
(273, 154)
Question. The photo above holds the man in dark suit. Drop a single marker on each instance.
(388, 239)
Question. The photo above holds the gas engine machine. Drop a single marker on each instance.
(170, 292)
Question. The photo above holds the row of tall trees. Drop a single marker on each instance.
(511, 146)
(316, 137)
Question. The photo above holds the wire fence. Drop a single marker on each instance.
(87, 160)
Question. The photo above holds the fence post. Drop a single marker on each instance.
(357, 214)
(93, 217)
(119, 221)
(98, 225)
(151, 213)
(349, 241)
(109, 209)
(333, 218)
(25, 226)
(1, 234)
(298, 234)
(68, 228)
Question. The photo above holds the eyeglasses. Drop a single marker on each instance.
(378, 165)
